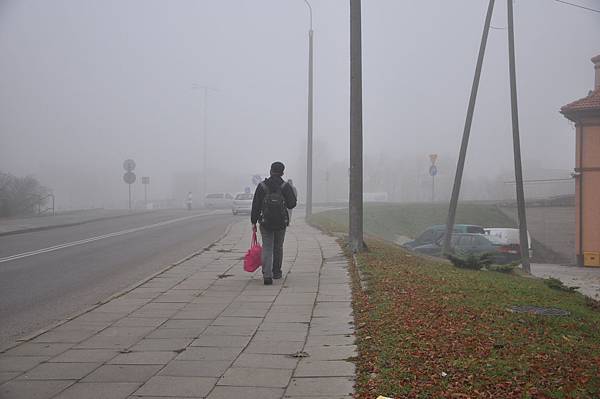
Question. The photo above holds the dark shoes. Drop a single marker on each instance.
(268, 281)
(276, 276)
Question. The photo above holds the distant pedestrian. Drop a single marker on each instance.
(188, 201)
(291, 183)
(272, 200)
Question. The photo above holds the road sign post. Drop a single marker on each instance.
(145, 182)
(129, 176)
(433, 172)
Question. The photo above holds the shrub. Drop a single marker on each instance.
(471, 261)
(508, 268)
(556, 284)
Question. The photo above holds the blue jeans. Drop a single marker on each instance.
(272, 251)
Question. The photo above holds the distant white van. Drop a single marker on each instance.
(218, 200)
(508, 237)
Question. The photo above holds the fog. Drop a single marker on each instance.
(85, 85)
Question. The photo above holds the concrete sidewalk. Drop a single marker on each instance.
(586, 278)
(205, 329)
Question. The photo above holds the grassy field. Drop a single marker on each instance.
(428, 330)
(389, 220)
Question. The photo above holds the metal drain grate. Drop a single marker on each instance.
(539, 310)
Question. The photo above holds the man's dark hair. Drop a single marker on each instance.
(277, 168)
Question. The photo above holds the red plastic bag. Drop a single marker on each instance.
(253, 258)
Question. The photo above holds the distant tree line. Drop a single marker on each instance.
(20, 195)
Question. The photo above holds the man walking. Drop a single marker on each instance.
(272, 199)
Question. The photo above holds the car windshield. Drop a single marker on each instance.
(244, 196)
(475, 230)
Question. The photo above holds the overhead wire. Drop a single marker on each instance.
(577, 5)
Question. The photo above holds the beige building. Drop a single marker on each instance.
(585, 112)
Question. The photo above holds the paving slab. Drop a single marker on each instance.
(234, 341)
(268, 336)
(85, 356)
(229, 330)
(274, 347)
(20, 363)
(222, 392)
(341, 352)
(172, 344)
(197, 324)
(320, 368)
(32, 389)
(321, 386)
(256, 377)
(99, 390)
(72, 336)
(143, 358)
(330, 340)
(266, 361)
(140, 322)
(209, 353)
(38, 349)
(177, 386)
(123, 373)
(199, 368)
(59, 371)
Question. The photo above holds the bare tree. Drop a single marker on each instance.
(20, 195)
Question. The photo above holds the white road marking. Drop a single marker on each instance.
(102, 237)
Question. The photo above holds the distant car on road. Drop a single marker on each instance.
(218, 200)
(464, 244)
(242, 203)
(435, 232)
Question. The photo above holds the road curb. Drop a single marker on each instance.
(36, 334)
(55, 226)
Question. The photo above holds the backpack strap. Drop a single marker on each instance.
(265, 187)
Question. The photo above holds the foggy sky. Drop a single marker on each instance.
(87, 84)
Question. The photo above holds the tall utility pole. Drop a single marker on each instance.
(356, 144)
(523, 241)
(467, 131)
(309, 141)
(204, 134)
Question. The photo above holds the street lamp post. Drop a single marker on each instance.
(205, 134)
(309, 144)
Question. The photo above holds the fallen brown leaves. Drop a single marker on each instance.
(426, 330)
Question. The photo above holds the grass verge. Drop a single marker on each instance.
(428, 330)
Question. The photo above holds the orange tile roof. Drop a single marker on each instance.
(583, 105)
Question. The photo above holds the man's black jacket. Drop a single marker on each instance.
(273, 182)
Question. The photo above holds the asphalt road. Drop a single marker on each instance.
(46, 276)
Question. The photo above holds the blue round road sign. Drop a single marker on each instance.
(433, 170)
(129, 177)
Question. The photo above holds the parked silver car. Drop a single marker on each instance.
(242, 203)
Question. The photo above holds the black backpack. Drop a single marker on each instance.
(274, 214)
